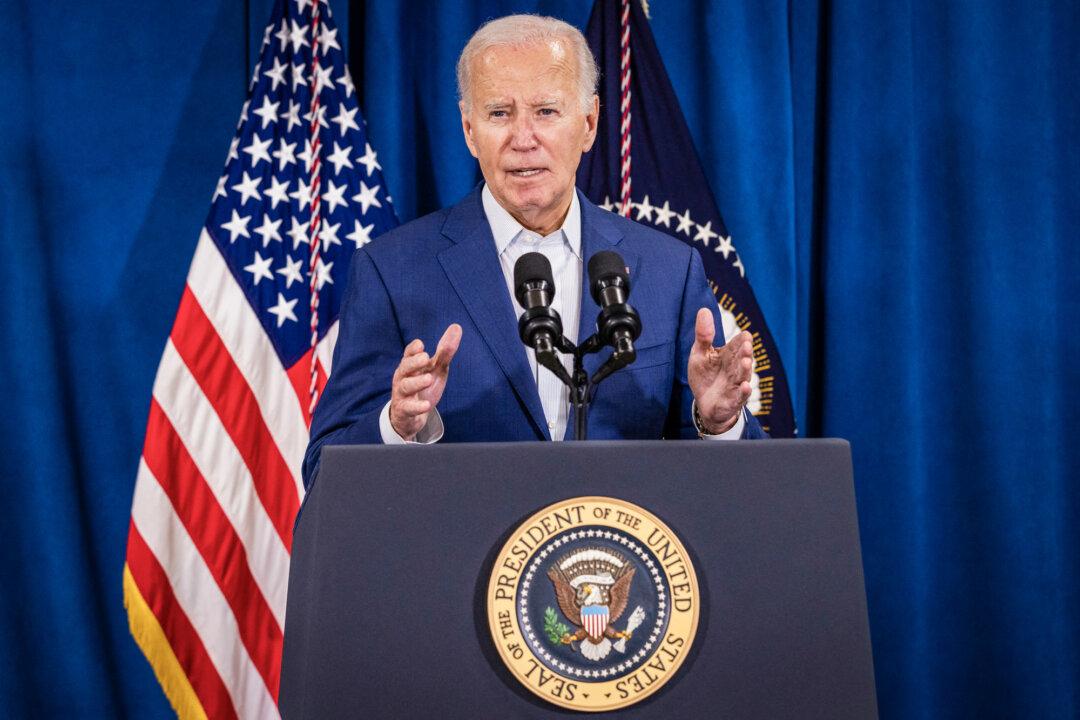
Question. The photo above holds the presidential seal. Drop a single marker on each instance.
(593, 603)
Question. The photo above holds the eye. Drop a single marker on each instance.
(548, 112)
(497, 114)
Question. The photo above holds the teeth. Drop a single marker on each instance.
(525, 173)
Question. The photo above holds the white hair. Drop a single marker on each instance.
(521, 30)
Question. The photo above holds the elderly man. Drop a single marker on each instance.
(528, 111)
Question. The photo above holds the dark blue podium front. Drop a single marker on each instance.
(394, 547)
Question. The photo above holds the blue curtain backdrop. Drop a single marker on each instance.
(901, 178)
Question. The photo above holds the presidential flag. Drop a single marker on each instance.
(644, 165)
(219, 483)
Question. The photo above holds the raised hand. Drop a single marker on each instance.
(419, 382)
(719, 377)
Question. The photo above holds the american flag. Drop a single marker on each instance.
(219, 483)
(644, 165)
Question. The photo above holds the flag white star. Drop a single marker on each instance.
(237, 226)
(308, 156)
(257, 150)
(291, 271)
(322, 78)
(269, 230)
(248, 188)
(268, 111)
(346, 82)
(283, 310)
(607, 204)
(302, 4)
(664, 215)
(328, 235)
(283, 34)
(724, 246)
(340, 157)
(368, 160)
(276, 73)
(738, 264)
(334, 196)
(302, 194)
(278, 192)
(366, 197)
(298, 37)
(328, 39)
(322, 117)
(266, 36)
(285, 153)
(298, 78)
(233, 147)
(322, 274)
(345, 120)
(685, 223)
(260, 268)
(705, 233)
(298, 233)
(292, 115)
(220, 189)
(361, 234)
(644, 209)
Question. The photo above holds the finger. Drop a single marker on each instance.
(412, 406)
(746, 366)
(414, 347)
(413, 365)
(448, 347)
(414, 384)
(744, 393)
(704, 330)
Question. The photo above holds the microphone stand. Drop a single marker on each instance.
(582, 387)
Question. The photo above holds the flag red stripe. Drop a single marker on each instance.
(217, 542)
(227, 390)
(300, 378)
(190, 652)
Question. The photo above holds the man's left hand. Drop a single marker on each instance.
(719, 376)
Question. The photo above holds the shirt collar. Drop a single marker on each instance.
(504, 228)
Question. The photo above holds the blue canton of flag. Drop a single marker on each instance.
(261, 209)
(669, 188)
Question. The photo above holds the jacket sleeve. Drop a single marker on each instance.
(369, 348)
(696, 295)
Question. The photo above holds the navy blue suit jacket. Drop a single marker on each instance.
(443, 268)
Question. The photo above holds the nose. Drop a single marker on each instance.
(523, 134)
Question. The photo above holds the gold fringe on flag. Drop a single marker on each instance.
(150, 638)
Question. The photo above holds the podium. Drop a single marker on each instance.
(394, 549)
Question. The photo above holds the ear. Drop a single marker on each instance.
(467, 128)
(591, 120)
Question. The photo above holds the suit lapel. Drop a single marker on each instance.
(472, 266)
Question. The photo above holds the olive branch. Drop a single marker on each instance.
(553, 628)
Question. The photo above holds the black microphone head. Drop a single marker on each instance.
(531, 268)
(606, 265)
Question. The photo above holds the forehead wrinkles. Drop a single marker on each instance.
(529, 65)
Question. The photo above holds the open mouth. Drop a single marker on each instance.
(526, 172)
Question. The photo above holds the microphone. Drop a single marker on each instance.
(618, 323)
(540, 327)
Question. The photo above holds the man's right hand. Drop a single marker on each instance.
(419, 382)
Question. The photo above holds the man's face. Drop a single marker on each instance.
(527, 129)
